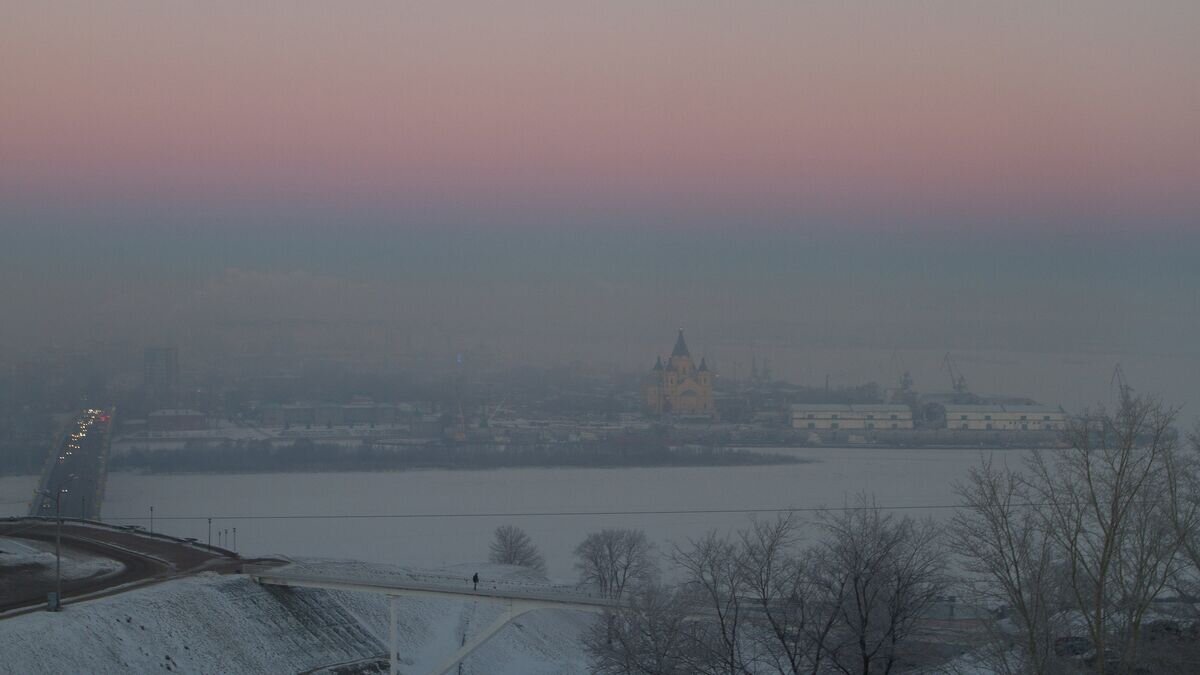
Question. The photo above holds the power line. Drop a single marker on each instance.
(545, 514)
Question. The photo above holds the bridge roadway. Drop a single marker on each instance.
(72, 483)
(517, 598)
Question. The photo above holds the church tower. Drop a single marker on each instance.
(679, 387)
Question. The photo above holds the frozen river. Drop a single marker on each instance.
(447, 517)
(15, 493)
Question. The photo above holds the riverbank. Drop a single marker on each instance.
(306, 456)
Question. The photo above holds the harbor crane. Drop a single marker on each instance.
(489, 416)
(1124, 391)
(958, 381)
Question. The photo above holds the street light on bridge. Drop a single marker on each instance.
(57, 549)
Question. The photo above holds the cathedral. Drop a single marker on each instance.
(679, 387)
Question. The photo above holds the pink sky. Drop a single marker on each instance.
(839, 110)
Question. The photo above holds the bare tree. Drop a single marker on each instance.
(791, 615)
(1184, 484)
(1107, 508)
(1172, 650)
(999, 536)
(645, 637)
(612, 559)
(755, 602)
(713, 579)
(512, 546)
(753, 594)
(848, 603)
(886, 573)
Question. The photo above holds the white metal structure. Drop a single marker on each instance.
(518, 599)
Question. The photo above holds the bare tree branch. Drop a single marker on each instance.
(511, 546)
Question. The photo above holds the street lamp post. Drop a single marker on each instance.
(58, 551)
(57, 548)
(151, 520)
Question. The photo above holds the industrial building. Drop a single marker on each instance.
(823, 417)
(176, 420)
(1004, 418)
(329, 414)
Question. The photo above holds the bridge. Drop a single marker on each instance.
(73, 479)
(517, 598)
(141, 559)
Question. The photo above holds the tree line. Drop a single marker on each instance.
(1084, 559)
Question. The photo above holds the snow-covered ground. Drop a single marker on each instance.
(75, 564)
(544, 641)
(228, 624)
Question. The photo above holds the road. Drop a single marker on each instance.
(144, 558)
(73, 487)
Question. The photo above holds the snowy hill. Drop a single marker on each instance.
(229, 624)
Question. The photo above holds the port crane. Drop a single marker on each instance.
(489, 416)
(1124, 391)
(958, 381)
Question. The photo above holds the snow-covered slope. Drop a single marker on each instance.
(545, 641)
(228, 624)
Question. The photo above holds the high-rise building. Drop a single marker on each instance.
(161, 369)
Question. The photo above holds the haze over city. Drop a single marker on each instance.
(795, 180)
(291, 266)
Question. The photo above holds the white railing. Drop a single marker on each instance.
(431, 583)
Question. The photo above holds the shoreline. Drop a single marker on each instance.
(230, 461)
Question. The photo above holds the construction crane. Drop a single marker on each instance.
(1124, 391)
(495, 411)
(957, 380)
(902, 375)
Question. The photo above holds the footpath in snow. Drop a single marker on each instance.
(228, 624)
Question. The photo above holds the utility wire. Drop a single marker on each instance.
(549, 514)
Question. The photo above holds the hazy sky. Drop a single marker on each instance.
(886, 112)
(884, 175)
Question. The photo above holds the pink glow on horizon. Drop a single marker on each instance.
(936, 108)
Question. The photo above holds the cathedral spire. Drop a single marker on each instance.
(677, 387)
(680, 347)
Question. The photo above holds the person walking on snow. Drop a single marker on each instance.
(475, 581)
